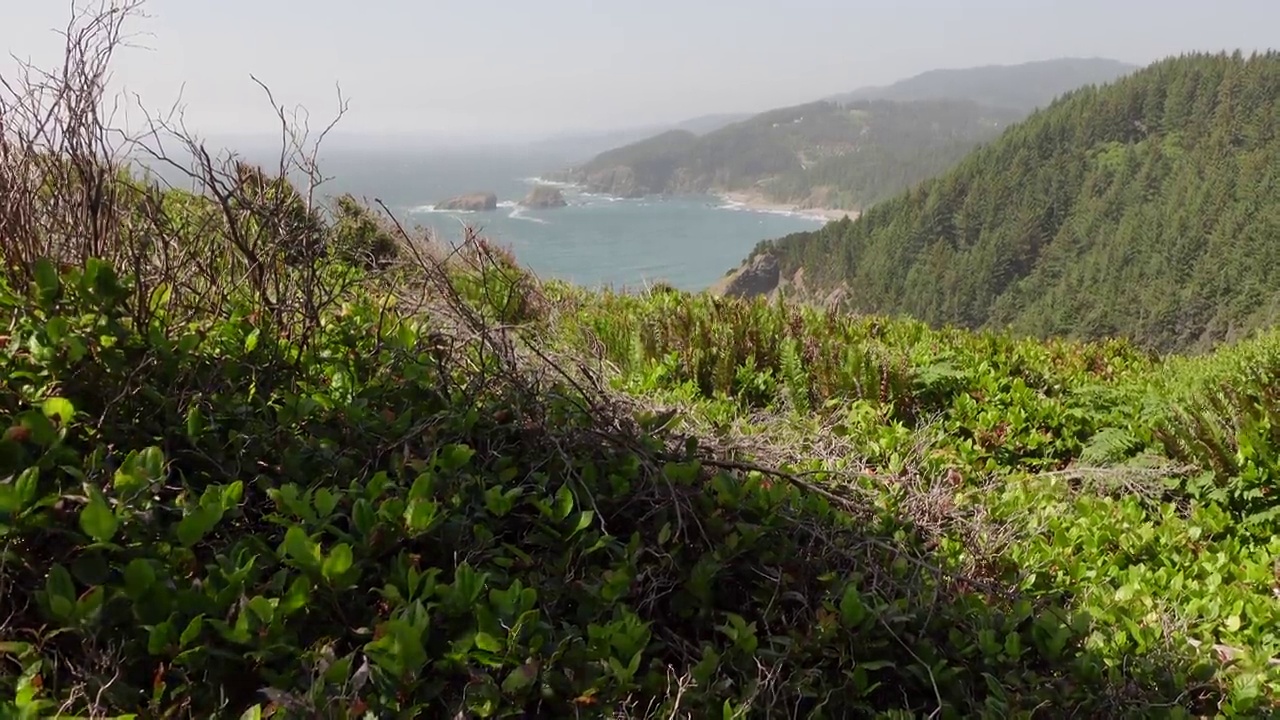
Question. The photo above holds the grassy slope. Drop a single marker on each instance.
(410, 515)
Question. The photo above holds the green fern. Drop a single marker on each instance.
(1108, 446)
(795, 382)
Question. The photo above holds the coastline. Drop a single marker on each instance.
(755, 202)
(750, 201)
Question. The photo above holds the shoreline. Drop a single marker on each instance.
(750, 201)
(755, 202)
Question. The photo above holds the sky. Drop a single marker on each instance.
(514, 69)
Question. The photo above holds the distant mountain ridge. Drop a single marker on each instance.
(1022, 87)
(584, 145)
(845, 152)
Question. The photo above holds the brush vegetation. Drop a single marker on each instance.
(269, 458)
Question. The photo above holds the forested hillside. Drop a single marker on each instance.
(1149, 208)
(1022, 87)
(819, 154)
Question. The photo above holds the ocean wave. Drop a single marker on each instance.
(602, 196)
(518, 214)
(743, 207)
(424, 209)
(549, 183)
(507, 204)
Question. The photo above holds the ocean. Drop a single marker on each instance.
(688, 242)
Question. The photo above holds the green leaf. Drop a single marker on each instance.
(363, 516)
(159, 299)
(263, 608)
(422, 487)
(852, 609)
(564, 502)
(196, 524)
(520, 678)
(488, 643)
(585, 519)
(56, 329)
(60, 585)
(251, 342)
(232, 494)
(17, 649)
(325, 502)
(467, 586)
(90, 603)
(152, 460)
(138, 578)
(160, 638)
(454, 457)
(10, 502)
(59, 409)
(297, 596)
(421, 515)
(340, 670)
(97, 521)
(28, 486)
(47, 280)
(298, 546)
(195, 422)
(338, 562)
(42, 431)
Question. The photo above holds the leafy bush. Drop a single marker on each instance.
(210, 519)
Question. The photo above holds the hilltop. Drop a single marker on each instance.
(849, 151)
(1022, 87)
(581, 146)
(815, 155)
(1147, 208)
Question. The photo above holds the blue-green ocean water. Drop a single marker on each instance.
(689, 242)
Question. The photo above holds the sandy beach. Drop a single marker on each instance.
(754, 201)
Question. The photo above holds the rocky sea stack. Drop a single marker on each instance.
(544, 196)
(475, 202)
(758, 276)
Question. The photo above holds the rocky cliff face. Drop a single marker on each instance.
(759, 276)
(544, 196)
(762, 276)
(623, 181)
(475, 202)
(618, 182)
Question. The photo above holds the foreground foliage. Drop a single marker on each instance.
(208, 519)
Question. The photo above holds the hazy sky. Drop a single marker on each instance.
(507, 68)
